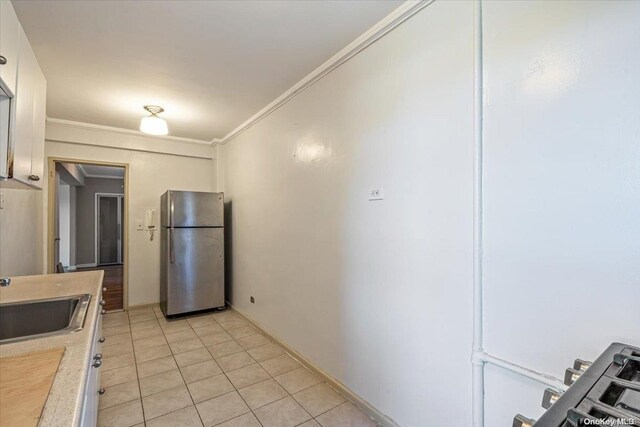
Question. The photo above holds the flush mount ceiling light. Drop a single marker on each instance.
(153, 124)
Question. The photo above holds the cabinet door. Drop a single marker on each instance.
(9, 32)
(23, 130)
(39, 118)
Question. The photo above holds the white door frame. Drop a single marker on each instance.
(120, 197)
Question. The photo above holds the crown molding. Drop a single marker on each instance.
(91, 126)
(375, 33)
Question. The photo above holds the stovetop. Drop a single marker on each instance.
(605, 393)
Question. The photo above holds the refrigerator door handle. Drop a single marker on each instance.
(172, 258)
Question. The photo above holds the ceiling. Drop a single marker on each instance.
(210, 64)
(98, 171)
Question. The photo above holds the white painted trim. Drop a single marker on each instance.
(72, 268)
(365, 406)
(90, 265)
(477, 362)
(120, 197)
(121, 178)
(382, 28)
(81, 125)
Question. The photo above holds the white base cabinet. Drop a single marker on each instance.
(92, 390)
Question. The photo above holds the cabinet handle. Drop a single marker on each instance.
(3, 60)
(97, 363)
(101, 340)
(103, 311)
(101, 391)
(102, 303)
(98, 356)
(34, 177)
(104, 289)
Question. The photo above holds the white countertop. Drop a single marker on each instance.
(64, 405)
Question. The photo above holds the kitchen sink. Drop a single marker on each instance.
(26, 320)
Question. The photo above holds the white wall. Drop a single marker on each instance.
(21, 232)
(377, 294)
(155, 165)
(562, 188)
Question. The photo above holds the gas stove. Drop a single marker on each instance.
(603, 393)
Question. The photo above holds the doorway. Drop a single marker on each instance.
(87, 223)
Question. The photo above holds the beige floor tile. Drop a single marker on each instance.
(209, 387)
(247, 375)
(153, 367)
(115, 319)
(154, 331)
(246, 420)
(117, 376)
(191, 357)
(224, 349)
(115, 330)
(209, 329)
(152, 353)
(318, 399)
(173, 325)
(345, 415)
(282, 413)
(227, 314)
(242, 332)
(187, 345)
(119, 339)
(185, 417)
(235, 361)
(310, 423)
(297, 380)
(215, 338)
(280, 365)
(264, 352)
(223, 408)
(118, 394)
(119, 361)
(233, 323)
(200, 371)
(252, 341)
(166, 402)
(117, 349)
(144, 317)
(143, 343)
(150, 324)
(183, 335)
(262, 393)
(201, 321)
(160, 382)
(123, 415)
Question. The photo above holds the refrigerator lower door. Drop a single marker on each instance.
(194, 259)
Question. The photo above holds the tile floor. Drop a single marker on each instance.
(209, 370)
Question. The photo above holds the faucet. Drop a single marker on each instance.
(5, 281)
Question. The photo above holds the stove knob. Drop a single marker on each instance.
(581, 365)
(571, 375)
(549, 397)
(522, 421)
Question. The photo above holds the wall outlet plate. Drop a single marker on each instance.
(139, 225)
(376, 194)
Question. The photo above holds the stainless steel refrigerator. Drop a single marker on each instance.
(192, 240)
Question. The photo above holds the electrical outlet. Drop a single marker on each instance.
(139, 225)
(253, 300)
(376, 194)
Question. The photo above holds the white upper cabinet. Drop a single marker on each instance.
(23, 153)
(9, 32)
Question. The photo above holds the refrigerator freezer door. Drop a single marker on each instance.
(194, 260)
(195, 209)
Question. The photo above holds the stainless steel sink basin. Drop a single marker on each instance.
(26, 320)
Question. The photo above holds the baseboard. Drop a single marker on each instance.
(138, 307)
(365, 406)
(90, 265)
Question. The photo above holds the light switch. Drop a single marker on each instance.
(376, 194)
